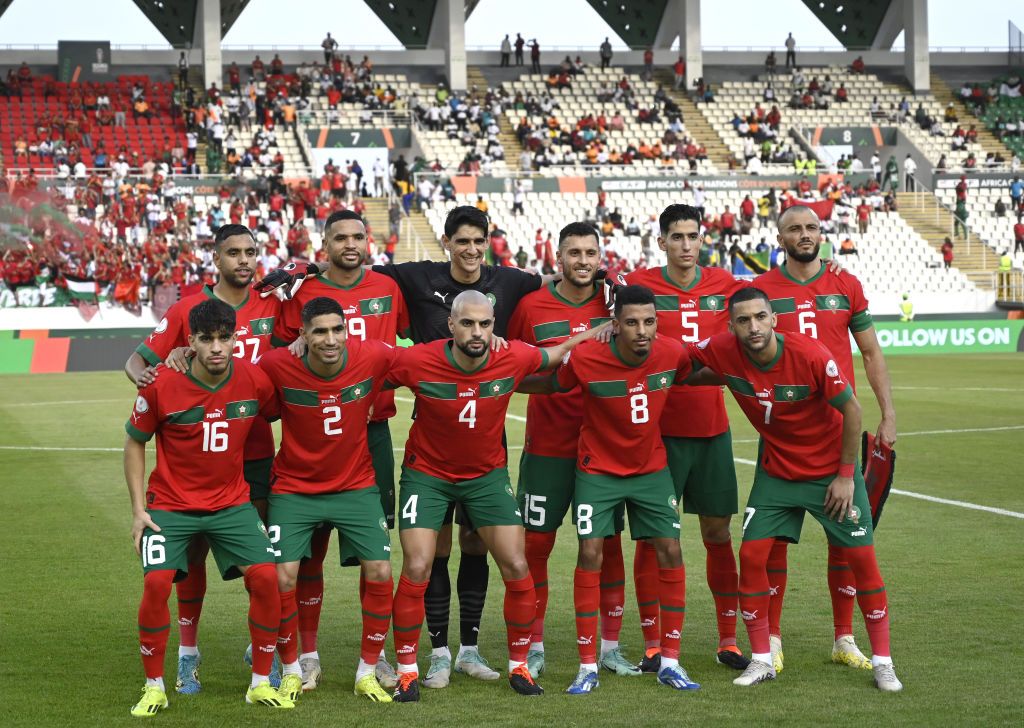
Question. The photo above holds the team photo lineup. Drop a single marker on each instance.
(626, 423)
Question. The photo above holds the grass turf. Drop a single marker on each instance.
(71, 584)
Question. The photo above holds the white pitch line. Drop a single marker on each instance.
(63, 402)
(960, 504)
(962, 389)
(61, 449)
(508, 416)
(1005, 428)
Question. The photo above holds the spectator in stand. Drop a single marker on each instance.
(770, 63)
(790, 51)
(858, 65)
(276, 66)
(847, 247)
(534, 56)
(909, 172)
(960, 216)
(727, 223)
(1000, 208)
(329, 45)
(648, 73)
(519, 49)
(506, 51)
(183, 71)
(1018, 236)
(947, 253)
(842, 96)
(606, 53)
(679, 73)
(863, 216)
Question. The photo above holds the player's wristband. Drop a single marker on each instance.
(846, 470)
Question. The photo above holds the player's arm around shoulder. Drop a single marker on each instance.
(557, 353)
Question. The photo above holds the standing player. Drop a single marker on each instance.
(621, 461)
(202, 420)
(808, 300)
(235, 257)
(695, 429)
(547, 470)
(455, 455)
(797, 398)
(324, 474)
(374, 309)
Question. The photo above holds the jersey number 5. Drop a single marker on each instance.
(690, 331)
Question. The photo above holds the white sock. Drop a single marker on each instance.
(382, 656)
(155, 682)
(442, 652)
(463, 649)
(877, 660)
(314, 654)
(765, 657)
(607, 646)
(588, 666)
(402, 667)
(257, 679)
(188, 651)
(513, 664)
(292, 668)
(537, 646)
(669, 662)
(364, 669)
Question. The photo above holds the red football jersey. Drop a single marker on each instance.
(323, 421)
(792, 402)
(201, 436)
(545, 318)
(374, 309)
(255, 322)
(460, 415)
(622, 405)
(827, 307)
(690, 315)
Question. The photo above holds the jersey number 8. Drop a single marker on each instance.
(638, 411)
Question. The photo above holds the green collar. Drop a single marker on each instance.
(344, 363)
(614, 346)
(208, 290)
(328, 282)
(451, 358)
(208, 388)
(559, 297)
(696, 279)
(809, 281)
(775, 359)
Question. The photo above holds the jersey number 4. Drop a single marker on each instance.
(468, 414)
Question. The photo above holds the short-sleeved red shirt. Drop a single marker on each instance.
(255, 320)
(460, 415)
(792, 402)
(827, 308)
(545, 318)
(323, 421)
(202, 436)
(374, 309)
(622, 404)
(689, 315)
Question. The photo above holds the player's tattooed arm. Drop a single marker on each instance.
(839, 495)
(135, 477)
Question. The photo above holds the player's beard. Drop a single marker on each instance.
(218, 368)
(235, 281)
(572, 280)
(339, 261)
(794, 253)
(758, 346)
(473, 353)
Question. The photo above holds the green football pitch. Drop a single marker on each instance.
(950, 546)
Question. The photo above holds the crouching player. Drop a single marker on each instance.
(323, 473)
(201, 419)
(794, 394)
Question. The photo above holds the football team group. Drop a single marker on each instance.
(626, 418)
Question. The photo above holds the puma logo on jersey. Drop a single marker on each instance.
(442, 297)
(804, 305)
(639, 387)
(242, 331)
(469, 392)
(215, 414)
(579, 329)
(687, 304)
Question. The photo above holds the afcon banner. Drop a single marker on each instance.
(949, 337)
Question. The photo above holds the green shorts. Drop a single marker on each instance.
(236, 536)
(383, 455)
(356, 514)
(545, 490)
(424, 500)
(703, 473)
(257, 475)
(649, 500)
(775, 509)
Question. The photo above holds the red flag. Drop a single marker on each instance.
(822, 208)
(878, 465)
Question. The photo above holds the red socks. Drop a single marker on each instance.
(538, 550)
(776, 584)
(587, 599)
(408, 618)
(309, 589)
(191, 591)
(376, 600)
(613, 588)
(672, 594)
(520, 607)
(871, 596)
(264, 615)
(287, 645)
(842, 589)
(645, 580)
(724, 584)
(755, 591)
(155, 620)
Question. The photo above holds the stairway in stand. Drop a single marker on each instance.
(698, 127)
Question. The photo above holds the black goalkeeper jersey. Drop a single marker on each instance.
(428, 289)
